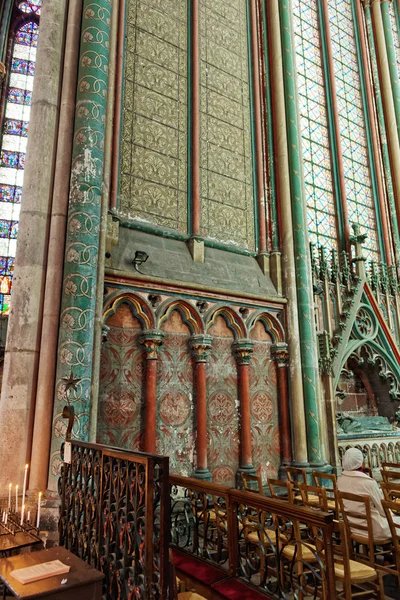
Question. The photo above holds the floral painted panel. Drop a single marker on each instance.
(222, 407)
(153, 148)
(227, 195)
(122, 377)
(175, 408)
(264, 407)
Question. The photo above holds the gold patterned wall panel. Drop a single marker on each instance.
(153, 162)
(227, 199)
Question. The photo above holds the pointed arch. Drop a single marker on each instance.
(189, 315)
(232, 319)
(140, 309)
(272, 325)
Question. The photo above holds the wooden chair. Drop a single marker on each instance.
(390, 476)
(296, 475)
(353, 574)
(328, 478)
(310, 492)
(391, 508)
(252, 483)
(359, 530)
(276, 486)
(391, 492)
(390, 466)
(367, 471)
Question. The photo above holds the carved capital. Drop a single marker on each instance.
(200, 345)
(280, 353)
(152, 340)
(243, 351)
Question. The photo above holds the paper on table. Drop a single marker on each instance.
(41, 571)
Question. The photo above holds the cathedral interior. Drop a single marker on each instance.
(199, 234)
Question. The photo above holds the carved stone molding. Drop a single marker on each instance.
(200, 346)
(243, 350)
(280, 353)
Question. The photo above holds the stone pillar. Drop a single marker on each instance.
(24, 327)
(151, 340)
(392, 59)
(52, 295)
(288, 261)
(200, 345)
(307, 340)
(243, 350)
(281, 356)
(75, 344)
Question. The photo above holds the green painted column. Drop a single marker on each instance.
(78, 303)
(5, 17)
(392, 59)
(382, 129)
(308, 347)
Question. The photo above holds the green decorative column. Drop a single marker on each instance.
(75, 346)
(391, 54)
(382, 129)
(308, 347)
(5, 17)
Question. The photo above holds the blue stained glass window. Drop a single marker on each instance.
(10, 193)
(30, 6)
(15, 160)
(13, 146)
(25, 67)
(19, 96)
(352, 125)
(314, 127)
(28, 35)
(15, 127)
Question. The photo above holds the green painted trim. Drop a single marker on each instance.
(189, 121)
(171, 234)
(397, 17)
(383, 137)
(332, 128)
(78, 301)
(368, 128)
(308, 347)
(270, 135)
(252, 126)
(392, 60)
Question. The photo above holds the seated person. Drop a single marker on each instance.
(354, 481)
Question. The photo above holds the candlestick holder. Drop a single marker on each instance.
(13, 526)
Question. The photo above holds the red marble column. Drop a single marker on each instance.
(243, 351)
(201, 345)
(151, 340)
(281, 356)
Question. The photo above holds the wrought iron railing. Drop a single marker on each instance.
(114, 507)
(281, 549)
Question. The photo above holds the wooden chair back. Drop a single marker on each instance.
(367, 471)
(296, 475)
(391, 508)
(276, 486)
(252, 483)
(390, 476)
(391, 492)
(321, 479)
(390, 466)
(308, 495)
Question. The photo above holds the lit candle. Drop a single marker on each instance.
(29, 516)
(22, 513)
(24, 488)
(6, 518)
(38, 510)
(9, 496)
(16, 499)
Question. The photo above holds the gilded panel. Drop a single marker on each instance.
(227, 211)
(153, 156)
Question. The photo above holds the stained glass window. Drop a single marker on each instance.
(30, 6)
(13, 145)
(314, 128)
(352, 124)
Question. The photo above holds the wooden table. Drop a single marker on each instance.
(83, 582)
(22, 539)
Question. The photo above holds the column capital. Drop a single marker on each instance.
(243, 350)
(280, 353)
(367, 3)
(152, 340)
(200, 345)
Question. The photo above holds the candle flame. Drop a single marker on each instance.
(26, 466)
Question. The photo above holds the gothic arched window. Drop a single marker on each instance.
(14, 137)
